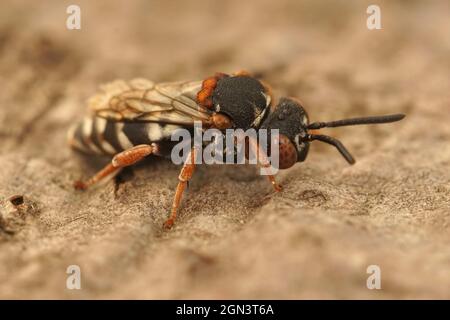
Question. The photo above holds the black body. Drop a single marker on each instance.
(242, 99)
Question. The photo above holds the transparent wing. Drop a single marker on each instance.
(142, 100)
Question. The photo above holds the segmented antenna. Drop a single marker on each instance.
(347, 122)
(357, 121)
(334, 142)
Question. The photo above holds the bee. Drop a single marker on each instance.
(131, 120)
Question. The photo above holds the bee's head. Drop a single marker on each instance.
(295, 131)
(239, 101)
(291, 120)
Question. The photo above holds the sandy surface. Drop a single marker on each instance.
(235, 237)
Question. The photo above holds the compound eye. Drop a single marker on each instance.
(287, 152)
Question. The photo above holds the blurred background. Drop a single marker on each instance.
(235, 239)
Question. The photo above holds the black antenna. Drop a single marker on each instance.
(334, 142)
(356, 121)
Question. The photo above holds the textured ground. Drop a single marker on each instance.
(235, 238)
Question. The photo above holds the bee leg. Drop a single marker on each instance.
(120, 160)
(183, 179)
(264, 162)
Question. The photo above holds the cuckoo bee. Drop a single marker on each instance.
(131, 120)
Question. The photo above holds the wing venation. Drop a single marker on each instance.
(143, 100)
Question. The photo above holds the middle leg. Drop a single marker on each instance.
(185, 175)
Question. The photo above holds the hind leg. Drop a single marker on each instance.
(120, 160)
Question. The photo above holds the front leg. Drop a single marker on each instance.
(186, 174)
(264, 162)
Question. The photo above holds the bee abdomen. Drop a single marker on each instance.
(95, 135)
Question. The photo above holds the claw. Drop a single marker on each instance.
(168, 224)
(79, 185)
(277, 187)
